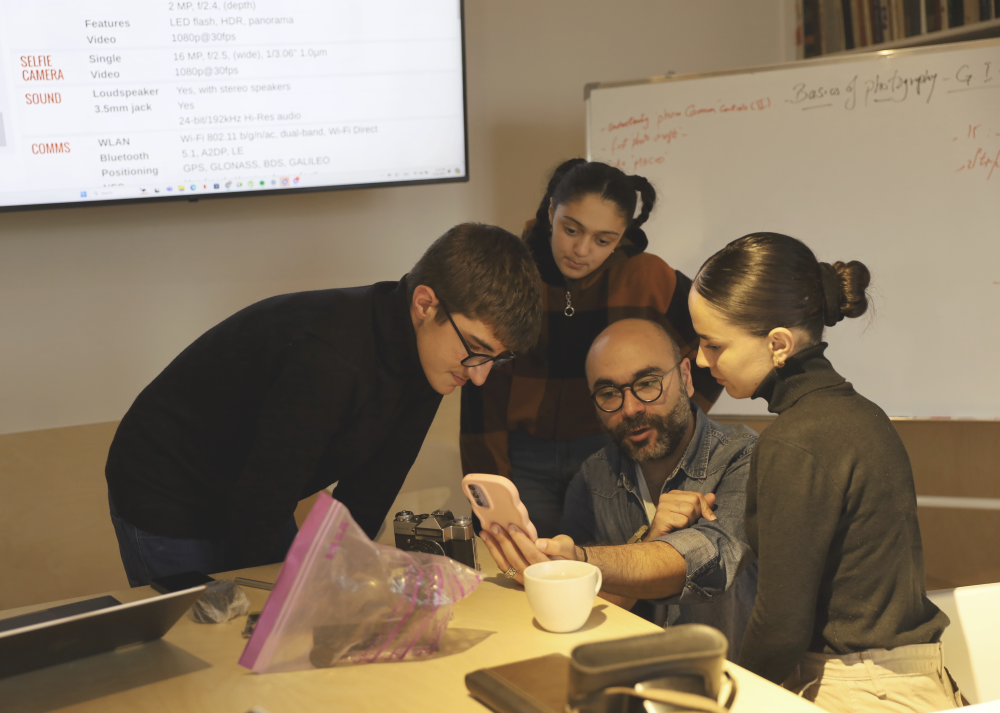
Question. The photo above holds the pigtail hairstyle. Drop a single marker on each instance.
(763, 281)
(648, 196)
(578, 178)
(542, 227)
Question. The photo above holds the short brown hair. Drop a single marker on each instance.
(484, 273)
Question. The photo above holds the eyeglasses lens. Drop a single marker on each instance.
(475, 360)
(608, 399)
(648, 389)
(479, 359)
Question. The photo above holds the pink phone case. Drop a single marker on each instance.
(499, 502)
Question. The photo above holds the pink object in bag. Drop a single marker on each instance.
(341, 597)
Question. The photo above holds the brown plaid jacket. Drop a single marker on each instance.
(544, 391)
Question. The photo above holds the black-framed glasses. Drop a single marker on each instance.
(474, 359)
(646, 388)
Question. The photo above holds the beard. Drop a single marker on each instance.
(668, 432)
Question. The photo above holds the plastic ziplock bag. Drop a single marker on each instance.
(342, 598)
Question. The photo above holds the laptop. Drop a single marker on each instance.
(66, 633)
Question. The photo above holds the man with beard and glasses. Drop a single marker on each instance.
(660, 511)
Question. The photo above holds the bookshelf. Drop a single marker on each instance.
(839, 27)
(979, 31)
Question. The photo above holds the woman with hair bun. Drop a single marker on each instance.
(841, 614)
(533, 420)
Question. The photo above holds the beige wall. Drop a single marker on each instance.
(95, 301)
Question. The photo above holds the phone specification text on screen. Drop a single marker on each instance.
(213, 90)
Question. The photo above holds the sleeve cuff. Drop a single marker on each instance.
(705, 580)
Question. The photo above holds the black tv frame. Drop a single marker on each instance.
(285, 191)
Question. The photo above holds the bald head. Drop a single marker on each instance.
(630, 342)
(642, 389)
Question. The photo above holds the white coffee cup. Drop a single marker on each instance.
(561, 593)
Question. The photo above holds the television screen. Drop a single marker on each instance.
(116, 100)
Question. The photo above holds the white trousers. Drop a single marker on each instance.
(907, 679)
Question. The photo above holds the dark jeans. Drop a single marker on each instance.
(541, 471)
(147, 556)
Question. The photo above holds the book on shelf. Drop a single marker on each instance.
(832, 26)
(811, 44)
(932, 15)
(885, 19)
(971, 11)
(878, 24)
(794, 29)
(900, 22)
(912, 17)
(861, 23)
(956, 13)
(850, 38)
(826, 26)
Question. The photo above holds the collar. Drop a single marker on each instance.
(807, 371)
(693, 464)
(395, 337)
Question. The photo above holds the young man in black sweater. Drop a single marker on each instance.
(299, 391)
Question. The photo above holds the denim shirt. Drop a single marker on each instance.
(604, 507)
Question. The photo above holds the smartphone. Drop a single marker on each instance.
(180, 582)
(495, 501)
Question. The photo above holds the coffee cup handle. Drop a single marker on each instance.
(600, 581)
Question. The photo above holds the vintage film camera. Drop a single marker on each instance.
(439, 533)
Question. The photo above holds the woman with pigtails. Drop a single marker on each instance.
(533, 421)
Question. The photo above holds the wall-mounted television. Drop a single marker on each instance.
(112, 101)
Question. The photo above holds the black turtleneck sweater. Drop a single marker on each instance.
(832, 515)
(272, 405)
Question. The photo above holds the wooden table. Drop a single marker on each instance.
(194, 668)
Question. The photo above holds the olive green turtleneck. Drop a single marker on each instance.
(832, 515)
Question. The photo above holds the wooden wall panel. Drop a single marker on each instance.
(56, 540)
(960, 546)
(56, 537)
(957, 458)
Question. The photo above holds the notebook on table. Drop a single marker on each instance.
(538, 685)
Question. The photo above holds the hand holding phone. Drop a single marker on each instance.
(496, 502)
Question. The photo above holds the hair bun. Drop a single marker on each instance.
(763, 281)
(854, 279)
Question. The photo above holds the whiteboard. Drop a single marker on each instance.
(891, 158)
